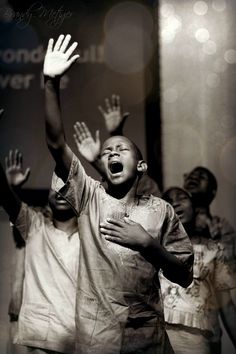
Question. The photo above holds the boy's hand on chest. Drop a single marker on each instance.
(125, 232)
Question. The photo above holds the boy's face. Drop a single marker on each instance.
(57, 203)
(197, 181)
(181, 203)
(119, 160)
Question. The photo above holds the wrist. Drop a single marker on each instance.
(50, 79)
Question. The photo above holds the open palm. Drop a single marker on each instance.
(86, 145)
(14, 169)
(58, 59)
(113, 116)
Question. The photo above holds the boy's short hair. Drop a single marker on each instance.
(211, 176)
(167, 191)
(138, 152)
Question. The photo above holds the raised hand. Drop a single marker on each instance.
(14, 169)
(113, 116)
(58, 59)
(86, 145)
(126, 233)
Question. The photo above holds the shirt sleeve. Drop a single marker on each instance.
(27, 218)
(78, 188)
(175, 239)
(225, 267)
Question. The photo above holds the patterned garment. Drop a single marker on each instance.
(118, 295)
(214, 270)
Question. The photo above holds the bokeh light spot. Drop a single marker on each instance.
(202, 35)
(230, 56)
(167, 10)
(219, 5)
(200, 8)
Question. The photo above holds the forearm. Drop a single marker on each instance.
(173, 269)
(54, 127)
(55, 135)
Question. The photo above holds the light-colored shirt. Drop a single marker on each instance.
(119, 308)
(47, 315)
(196, 306)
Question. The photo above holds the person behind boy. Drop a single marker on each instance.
(16, 178)
(188, 312)
(46, 321)
(125, 238)
(202, 185)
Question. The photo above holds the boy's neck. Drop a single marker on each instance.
(126, 193)
(68, 226)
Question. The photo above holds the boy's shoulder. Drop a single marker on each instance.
(154, 202)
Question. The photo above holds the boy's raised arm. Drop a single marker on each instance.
(58, 60)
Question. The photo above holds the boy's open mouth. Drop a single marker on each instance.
(115, 167)
(192, 183)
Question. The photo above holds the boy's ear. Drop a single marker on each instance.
(142, 166)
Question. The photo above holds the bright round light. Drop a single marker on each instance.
(219, 65)
(202, 35)
(128, 13)
(200, 8)
(230, 56)
(213, 80)
(227, 158)
(209, 47)
(167, 10)
(130, 55)
(219, 5)
(170, 27)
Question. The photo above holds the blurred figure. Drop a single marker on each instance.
(202, 185)
(190, 313)
(46, 322)
(16, 178)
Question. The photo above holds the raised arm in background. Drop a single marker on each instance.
(113, 116)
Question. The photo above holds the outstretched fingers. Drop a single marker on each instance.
(65, 43)
(82, 131)
(59, 42)
(50, 45)
(115, 99)
(71, 49)
(108, 105)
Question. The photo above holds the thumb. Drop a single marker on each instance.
(97, 136)
(27, 173)
(124, 117)
(73, 59)
(128, 221)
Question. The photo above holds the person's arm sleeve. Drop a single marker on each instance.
(78, 188)
(176, 241)
(26, 218)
